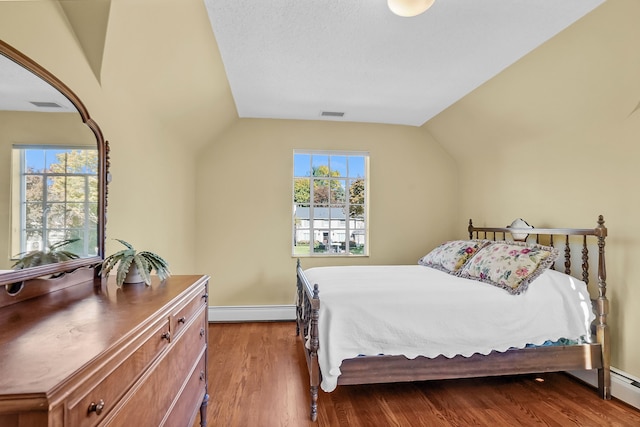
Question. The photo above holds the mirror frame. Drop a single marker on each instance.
(103, 174)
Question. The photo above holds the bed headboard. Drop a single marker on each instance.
(553, 235)
(562, 236)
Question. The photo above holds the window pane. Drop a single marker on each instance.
(93, 216)
(338, 191)
(338, 165)
(321, 191)
(338, 240)
(301, 165)
(76, 247)
(33, 187)
(55, 215)
(301, 191)
(76, 161)
(356, 195)
(356, 166)
(76, 188)
(321, 244)
(320, 165)
(34, 161)
(56, 188)
(55, 236)
(55, 161)
(33, 240)
(92, 246)
(93, 189)
(320, 218)
(33, 215)
(75, 214)
(301, 232)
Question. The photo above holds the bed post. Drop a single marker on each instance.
(299, 300)
(602, 330)
(314, 343)
(308, 313)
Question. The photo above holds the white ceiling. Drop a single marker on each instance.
(19, 89)
(293, 59)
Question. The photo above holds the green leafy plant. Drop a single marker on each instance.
(50, 255)
(145, 262)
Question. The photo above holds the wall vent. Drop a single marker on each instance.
(45, 104)
(332, 113)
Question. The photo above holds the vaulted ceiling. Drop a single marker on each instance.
(295, 60)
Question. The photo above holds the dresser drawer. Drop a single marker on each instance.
(184, 312)
(192, 395)
(89, 404)
(147, 403)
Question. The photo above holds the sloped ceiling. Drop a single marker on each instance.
(295, 59)
(89, 20)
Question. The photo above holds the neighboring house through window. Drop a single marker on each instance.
(330, 203)
(57, 193)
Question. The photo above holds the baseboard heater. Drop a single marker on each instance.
(624, 386)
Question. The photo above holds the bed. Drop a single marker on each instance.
(382, 324)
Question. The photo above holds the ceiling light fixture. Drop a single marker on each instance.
(409, 8)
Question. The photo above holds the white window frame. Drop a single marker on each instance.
(333, 234)
(21, 197)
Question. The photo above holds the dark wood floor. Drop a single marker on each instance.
(257, 377)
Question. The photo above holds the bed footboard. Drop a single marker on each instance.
(307, 312)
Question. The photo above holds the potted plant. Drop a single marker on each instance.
(51, 254)
(134, 266)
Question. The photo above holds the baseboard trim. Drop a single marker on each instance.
(255, 313)
(623, 386)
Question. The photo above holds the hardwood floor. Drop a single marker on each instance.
(258, 378)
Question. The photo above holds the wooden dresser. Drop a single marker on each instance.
(92, 354)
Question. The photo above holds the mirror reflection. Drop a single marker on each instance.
(48, 174)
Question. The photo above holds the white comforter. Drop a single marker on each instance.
(418, 311)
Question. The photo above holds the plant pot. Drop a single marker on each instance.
(133, 276)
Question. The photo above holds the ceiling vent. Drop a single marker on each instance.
(45, 104)
(332, 113)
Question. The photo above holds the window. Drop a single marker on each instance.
(330, 203)
(55, 192)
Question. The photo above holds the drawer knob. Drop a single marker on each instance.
(96, 407)
(205, 296)
(182, 319)
(201, 332)
(166, 335)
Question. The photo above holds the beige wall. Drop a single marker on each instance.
(553, 140)
(144, 110)
(245, 202)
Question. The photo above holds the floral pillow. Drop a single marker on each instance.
(509, 265)
(451, 256)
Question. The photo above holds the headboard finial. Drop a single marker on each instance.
(602, 230)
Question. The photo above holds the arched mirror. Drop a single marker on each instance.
(53, 175)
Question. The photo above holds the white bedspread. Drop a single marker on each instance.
(419, 311)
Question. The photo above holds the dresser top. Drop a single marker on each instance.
(44, 340)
